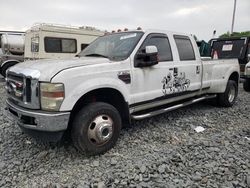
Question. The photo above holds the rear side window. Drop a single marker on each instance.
(162, 44)
(59, 45)
(185, 48)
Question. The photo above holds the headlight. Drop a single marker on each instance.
(52, 96)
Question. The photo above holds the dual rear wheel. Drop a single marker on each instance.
(227, 99)
(246, 85)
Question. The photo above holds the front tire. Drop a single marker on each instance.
(96, 128)
(227, 99)
(246, 85)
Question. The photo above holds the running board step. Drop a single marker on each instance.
(161, 111)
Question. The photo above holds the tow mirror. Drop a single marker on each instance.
(148, 57)
(151, 50)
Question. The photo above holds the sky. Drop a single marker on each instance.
(198, 17)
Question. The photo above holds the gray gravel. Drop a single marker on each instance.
(163, 151)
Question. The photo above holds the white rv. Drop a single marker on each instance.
(46, 41)
(56, 41)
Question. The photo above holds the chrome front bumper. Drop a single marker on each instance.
(39, 120)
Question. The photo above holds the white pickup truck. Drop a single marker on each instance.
(118, 78)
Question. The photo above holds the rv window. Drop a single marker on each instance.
(83, 46)
(185, 48)
(68, 46)
(35, 44)
(59, 45)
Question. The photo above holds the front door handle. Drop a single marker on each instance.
(198, 69)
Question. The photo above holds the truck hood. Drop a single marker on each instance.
(47, 68)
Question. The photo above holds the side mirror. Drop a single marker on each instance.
(151, 50)
(248, 57)
(148, 57)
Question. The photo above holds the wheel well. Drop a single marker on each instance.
(9, 62)
(108, 95)
(234, 76)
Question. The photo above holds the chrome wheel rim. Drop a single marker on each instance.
(100, 130)
(231, 94)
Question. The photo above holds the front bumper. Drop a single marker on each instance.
(37, 120)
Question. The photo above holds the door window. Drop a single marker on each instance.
(185, 48)
(162, 44)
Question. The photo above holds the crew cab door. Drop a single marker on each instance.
(148, 81)
(187, 70)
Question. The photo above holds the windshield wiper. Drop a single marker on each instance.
(96, 55)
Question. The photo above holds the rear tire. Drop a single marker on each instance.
(96, 128)
(246, 85)
(227, 99)
(5, 68)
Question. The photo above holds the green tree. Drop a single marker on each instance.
(235, 34)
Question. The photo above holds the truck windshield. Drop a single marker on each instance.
(116, 47)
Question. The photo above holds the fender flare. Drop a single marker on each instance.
(219, 82)
(87, 87)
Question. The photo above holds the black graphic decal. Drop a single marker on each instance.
(175, 83)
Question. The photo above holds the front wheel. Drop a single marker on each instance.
(96, 128)
(246, 85)
(227, 99)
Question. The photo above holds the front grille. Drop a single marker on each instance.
(15, 87)
(23, 90)
(28, 89)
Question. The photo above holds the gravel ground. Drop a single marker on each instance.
(163, 151)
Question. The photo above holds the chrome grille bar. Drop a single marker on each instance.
(30, 88)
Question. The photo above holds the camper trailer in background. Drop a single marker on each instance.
(56, 41)
(11, 49)
(45, 41)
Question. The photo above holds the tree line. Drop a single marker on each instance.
(235, 34)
